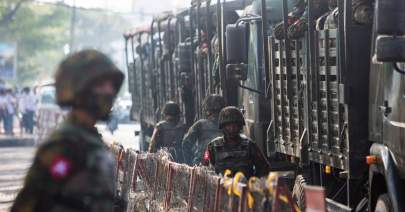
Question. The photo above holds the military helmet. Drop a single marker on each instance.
(214, 103)
(79, 71)
(230, 114)
(171, 108)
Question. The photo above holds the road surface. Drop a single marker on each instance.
(125, 135)
(15, 161)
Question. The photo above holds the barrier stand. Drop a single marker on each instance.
(192, 189)
(239, 191)
(155, 183)
(282, 199)
(134, 179)
(218, 192)
(206, 192)
(213, 184)
(169, 186)
(255, 190)
(243, 200)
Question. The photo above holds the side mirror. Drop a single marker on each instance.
(390, 18)
(390, 49)
(237, 71)
(236, 43)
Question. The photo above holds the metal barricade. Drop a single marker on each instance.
(152, 182)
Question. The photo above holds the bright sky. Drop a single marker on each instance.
(128, 6)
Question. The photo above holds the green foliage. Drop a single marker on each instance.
(41, 32)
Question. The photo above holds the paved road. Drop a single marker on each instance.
(15, 161)
(124, 135)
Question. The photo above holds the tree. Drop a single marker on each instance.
(40, 33)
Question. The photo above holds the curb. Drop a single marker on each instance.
(16, 142)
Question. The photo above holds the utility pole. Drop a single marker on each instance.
(72, 27)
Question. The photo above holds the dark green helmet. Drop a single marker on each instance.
(79, 71)
(171, 108)
(230, 114)
(214, 103)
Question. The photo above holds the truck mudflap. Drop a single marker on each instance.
(387, 167)
(316, 201)
(332, 205)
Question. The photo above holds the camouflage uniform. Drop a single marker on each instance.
(73, 170)
(294, 15)
(203, 131)
(169, 133)
(242, 155)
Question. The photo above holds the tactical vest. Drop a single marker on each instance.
(234, 157)
(170, 136)
(92, 187)
(208, 131)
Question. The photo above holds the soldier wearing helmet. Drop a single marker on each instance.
(233, 150)
(73, 169)
(169, 132)
(203, 131)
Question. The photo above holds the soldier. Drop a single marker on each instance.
(74, 170)
(203, 131)
(234, 151)
(169, 132)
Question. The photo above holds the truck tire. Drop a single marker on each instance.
(383, 204)
(298, 190)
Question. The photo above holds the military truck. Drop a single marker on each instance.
(319, 83)
(174, 59)
(333, 84)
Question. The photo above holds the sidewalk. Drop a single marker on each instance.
(14, 163)
(16, 140)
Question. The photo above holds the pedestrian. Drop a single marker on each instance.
(233, 150)
(3, 105)
(169, 132)
(9, 112)
(74, 170)
(28, 105)
(203, 131)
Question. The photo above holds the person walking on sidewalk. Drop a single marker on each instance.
(9, 112)
(28, 105)
(3, 103)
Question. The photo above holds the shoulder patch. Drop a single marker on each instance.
(60, 168)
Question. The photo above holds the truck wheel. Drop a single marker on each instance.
(383, 204)
(298, 191)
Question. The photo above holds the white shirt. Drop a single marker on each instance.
(10, 103)
(28, 102)
(3, 101)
